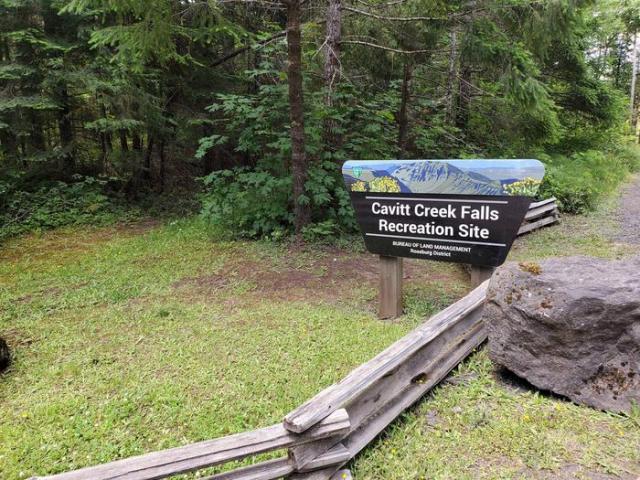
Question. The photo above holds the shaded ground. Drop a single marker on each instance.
(628, 212)
(319, 274)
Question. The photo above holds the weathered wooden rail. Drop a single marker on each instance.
(540, 214)
(327, 431)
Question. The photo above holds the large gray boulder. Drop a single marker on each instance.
(570, 325)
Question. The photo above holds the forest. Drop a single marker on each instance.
(244, 110)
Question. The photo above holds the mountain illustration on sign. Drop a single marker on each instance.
(441, 177)
(422, 177)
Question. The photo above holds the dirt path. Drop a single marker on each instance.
(628, 212)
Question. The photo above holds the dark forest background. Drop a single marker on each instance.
(245, 110)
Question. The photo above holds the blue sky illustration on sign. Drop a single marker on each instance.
(458, 177)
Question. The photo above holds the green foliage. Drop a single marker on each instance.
(32, 102)
(256, 203)
(321, 231)
(248, 202)
(25, 208)
(329, 198)
(580, 180)
(113, 125)
(148, 32)
(121, 88)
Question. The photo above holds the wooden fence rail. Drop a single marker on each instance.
(166, 463)
(378, 391)
(540, 214)
(330, 429)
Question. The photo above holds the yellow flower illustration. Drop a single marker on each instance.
(359, 186)
(384, 184)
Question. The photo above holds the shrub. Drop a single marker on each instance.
(25, 207)
(574, 194)
(321, 231)
(257, 203)
(248, 202)
(580, 180)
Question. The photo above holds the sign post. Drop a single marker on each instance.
(464, 211)
(479, 274)
(390, 305)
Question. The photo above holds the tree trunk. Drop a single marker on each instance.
(105, 141)
(162, 165)
(136, 142)
(124, 145)
(299, 166)
(632, 93)
(622, 53)
(65, 126)
(451, 78)
(103, 149)
(4, 50)
(109, 141)
(403, 115)
(332, 70)
(146, 174)
(464, 96)
(37, 135)
(8, 144)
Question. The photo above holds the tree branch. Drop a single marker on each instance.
(238, 51)
(382, 47)
(449, 16)
(392, 19)
(381, 5)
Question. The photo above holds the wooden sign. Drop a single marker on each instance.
(465, 211)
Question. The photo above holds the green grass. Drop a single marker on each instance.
(589, 234)
(482, 428)
(128, 341)
(133, 339)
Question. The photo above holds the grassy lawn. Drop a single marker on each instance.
(132, 339)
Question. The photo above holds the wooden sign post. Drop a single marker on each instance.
(390, 305)
(464, 211)
(479, 274)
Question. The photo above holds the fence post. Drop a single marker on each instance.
(390, 287)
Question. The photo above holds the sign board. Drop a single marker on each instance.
(466, 211)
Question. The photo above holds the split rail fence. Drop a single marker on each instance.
(540, 215)
(329, 430)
